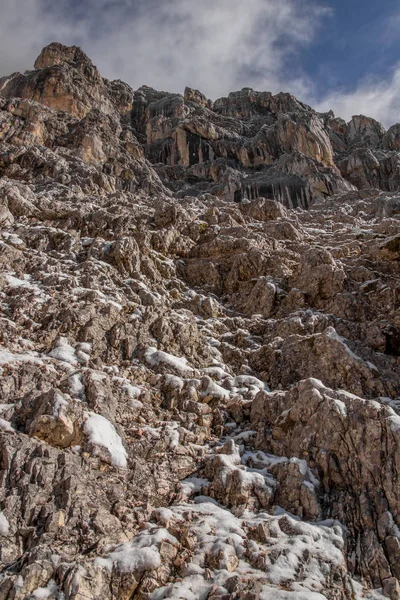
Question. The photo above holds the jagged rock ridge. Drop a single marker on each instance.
(199, 344)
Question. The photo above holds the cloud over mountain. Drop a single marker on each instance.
(214, 45)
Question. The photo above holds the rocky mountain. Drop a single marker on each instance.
(199, 344)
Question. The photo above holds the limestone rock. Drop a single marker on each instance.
(199, 344)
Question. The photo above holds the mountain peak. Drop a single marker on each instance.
(56, 53)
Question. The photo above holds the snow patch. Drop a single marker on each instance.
(102, 433)
(193, 485)
(7, 357)
(6, 426)
(43, 593)
(156, 357)
(64, 352)
(140, 554)
(4, 525)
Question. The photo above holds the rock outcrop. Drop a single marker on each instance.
(199, 344)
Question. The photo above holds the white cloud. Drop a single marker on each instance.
(214, 45)
(377, 97)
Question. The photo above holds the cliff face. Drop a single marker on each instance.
(199, 344)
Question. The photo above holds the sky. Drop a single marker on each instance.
(342, 55)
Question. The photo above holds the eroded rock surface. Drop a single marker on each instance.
(199, 344)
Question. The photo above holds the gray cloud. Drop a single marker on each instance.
(25, 27)
(214, 45)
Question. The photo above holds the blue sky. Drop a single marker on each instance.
(330, 54)
(358, 39)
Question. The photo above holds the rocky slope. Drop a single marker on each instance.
(199, 344)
